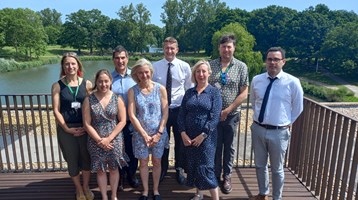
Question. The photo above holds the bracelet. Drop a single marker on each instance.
(161, 133)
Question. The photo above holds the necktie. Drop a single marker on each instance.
(168, 85)
(267, 94)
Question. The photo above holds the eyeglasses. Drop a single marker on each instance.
(71, 54)
(275, 60)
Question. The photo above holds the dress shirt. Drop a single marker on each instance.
(121, 84)
(181, 78)
(285, 102)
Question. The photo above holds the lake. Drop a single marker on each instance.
(39, 80)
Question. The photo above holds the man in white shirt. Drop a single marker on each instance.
(277, 101)
(179, 81)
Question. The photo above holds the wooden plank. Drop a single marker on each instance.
(57, 185)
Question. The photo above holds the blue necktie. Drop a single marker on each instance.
(264, 102)
(168, 85)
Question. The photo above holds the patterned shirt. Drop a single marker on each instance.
(236, 77)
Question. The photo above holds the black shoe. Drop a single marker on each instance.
(180, 177)
(157, 197)
(227, 186)
(121, 184)
(143, 197)
(133, 182)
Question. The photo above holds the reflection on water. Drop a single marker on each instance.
(39, 80)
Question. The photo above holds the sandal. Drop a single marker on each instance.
(89, 195)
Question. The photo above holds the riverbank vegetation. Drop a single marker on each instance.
(317, 37)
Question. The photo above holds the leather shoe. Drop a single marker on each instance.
(227, 186)
(259, 197)
(157, 197)
(133, 182)
(180, 177)
(143, 197)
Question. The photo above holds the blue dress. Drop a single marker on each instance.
(201, 113)
(149, 114)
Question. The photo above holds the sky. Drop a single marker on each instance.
(111, 7)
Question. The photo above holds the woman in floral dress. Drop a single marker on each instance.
(104, 116)
(148, 112)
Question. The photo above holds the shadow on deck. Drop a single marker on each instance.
(57, 185)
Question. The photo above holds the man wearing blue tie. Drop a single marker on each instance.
(277, 101)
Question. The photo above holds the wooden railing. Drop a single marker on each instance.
(323, 152)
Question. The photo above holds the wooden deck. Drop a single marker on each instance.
(57, 185)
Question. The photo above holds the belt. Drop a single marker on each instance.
(266, 126)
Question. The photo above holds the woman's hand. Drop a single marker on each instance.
(196, 142)
(155, 139)
(148, 140)
(186, 140)
(76, 131)
(105, 143)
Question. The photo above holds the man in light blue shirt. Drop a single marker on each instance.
(121, 83)
(277, 101)
(180, 81)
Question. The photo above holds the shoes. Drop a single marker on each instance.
(180, 176)
(133, 181)
(121, 184)
(157, 197)
(80, 197)
(89, 195)
(227, 186)
(197, 197)
(259, 197)
(143, 197)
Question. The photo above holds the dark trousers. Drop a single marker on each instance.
(225, 148)
(179, 146)
(133, 163)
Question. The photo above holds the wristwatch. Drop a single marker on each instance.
(204, 135)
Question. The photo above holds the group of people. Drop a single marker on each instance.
(131, 113)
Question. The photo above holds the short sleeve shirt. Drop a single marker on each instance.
(237, 76)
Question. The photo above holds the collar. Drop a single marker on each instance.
(279, 75)
(116, 74)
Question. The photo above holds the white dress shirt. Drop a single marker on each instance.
(285, 102)
(181, 78)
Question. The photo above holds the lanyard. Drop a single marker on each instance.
(223, 75)
(70, 88)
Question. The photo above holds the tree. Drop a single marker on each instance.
(340, 48)
(223, 17)
(268, 25)
(87, 26)
(137, 21)
(51, 20)
(115, 34)
(244, 47)
(24, 31)
(307, 33)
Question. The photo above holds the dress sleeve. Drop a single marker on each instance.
(214, 115)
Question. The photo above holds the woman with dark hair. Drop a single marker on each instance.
(104, 116)
(68, 94)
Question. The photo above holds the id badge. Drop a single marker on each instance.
(76, 105)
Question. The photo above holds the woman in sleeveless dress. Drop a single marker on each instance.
(68, 94)
(104, 117)
(148, 112)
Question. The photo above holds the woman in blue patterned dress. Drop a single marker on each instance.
(148, 112)
(198, 117)
(104, 116)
